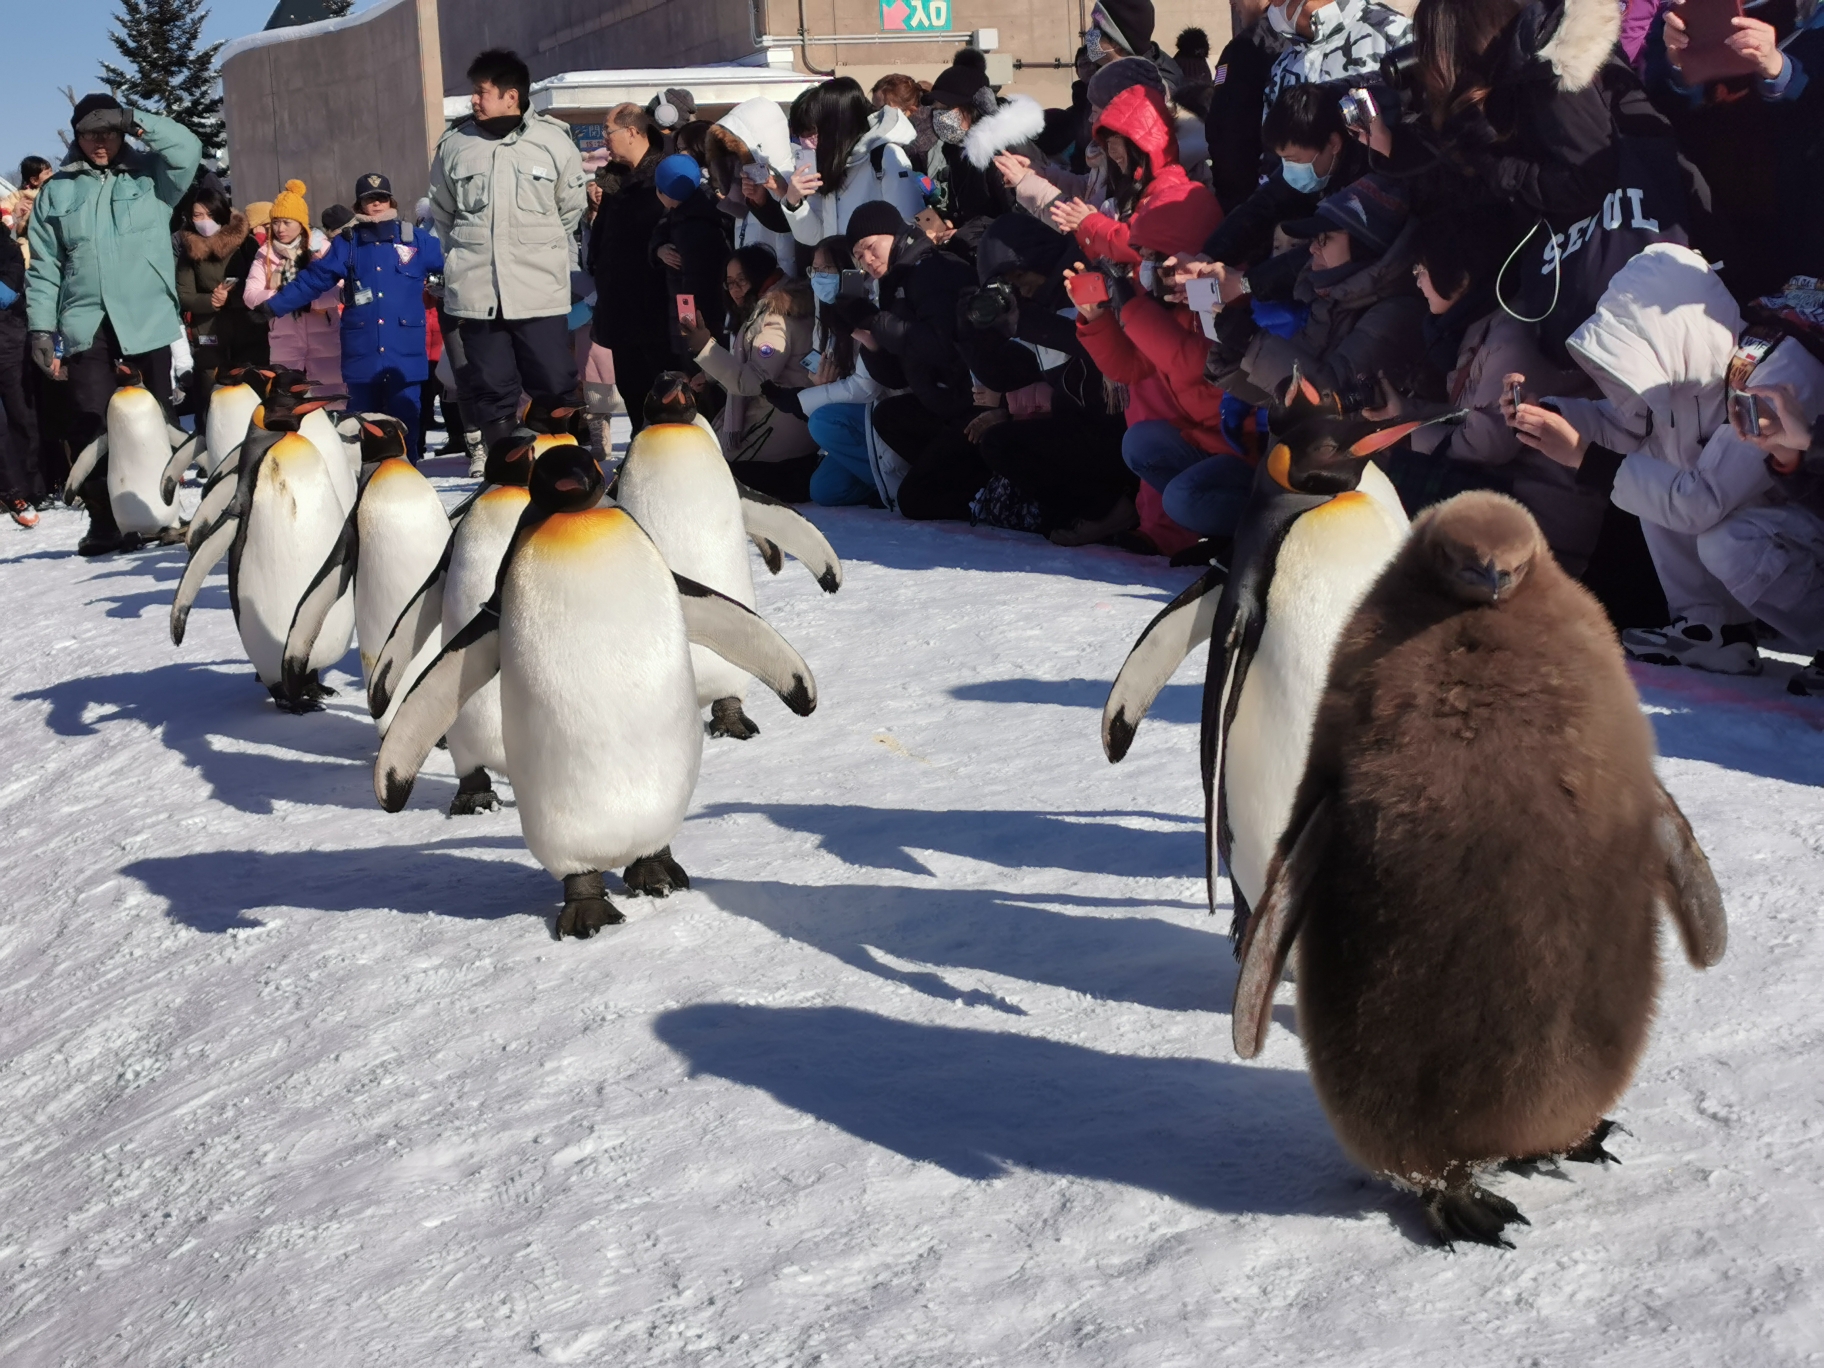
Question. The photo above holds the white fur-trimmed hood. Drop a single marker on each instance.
(1020, 120)
(1586, 35)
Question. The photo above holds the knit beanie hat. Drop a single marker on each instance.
(289, 203)
(874, 218)
(1128, 23)
(98, 114)
(677, 176)
(259, 214)
(962, 84)
(1111, 80)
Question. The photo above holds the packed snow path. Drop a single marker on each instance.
(931, 1067)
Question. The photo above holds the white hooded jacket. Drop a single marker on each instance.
(1659, 347)
(760, 124)
(826, 213)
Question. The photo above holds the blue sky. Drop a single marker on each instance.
(65, 43)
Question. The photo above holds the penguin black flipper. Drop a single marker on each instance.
(768, 519)
(1180, 627)
(417, 620)
(184, 454)
(745, 639)
(325, 591)
(1273, 928)
(1691, 893)
(218, 496)
(469, 661)
(461, 510)
(771, 554)
(84, 467)
(204, 559)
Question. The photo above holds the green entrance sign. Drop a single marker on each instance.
(915, 16)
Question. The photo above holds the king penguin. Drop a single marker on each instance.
(1474, 872)
(276, 528)
(678, 486)
(451, 597)
(589, 633)
(137, 444)
(1321, 523)
(393, 538)
(231, 407)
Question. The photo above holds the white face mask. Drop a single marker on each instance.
(1149, 276)
(205, 227)
(1283, 19)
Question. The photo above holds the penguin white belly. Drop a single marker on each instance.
(481, 541)
(324, 437)
(230, 415)
(1328, 561)
(139, 448)
(678, 485)
(403, 530)
(597, 705)
(288, 534)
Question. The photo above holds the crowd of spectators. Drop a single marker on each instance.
(1573, 238)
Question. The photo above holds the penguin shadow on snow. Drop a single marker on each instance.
(1176, 702)
(1082, 842)
(1759, 738)
(221, 721)
(215, 890)
(984, 1104)
(1143, 960)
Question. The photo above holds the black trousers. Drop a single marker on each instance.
(507, 357)
(636, 366)
(788, 481)
(21, 476)
(91, 380)
(947, 468)
(1069, 465)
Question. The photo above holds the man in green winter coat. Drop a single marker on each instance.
(103, 273)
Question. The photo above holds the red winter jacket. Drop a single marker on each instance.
(1175, 213)
(1158, 353)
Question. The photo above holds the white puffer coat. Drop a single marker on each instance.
(826, 213)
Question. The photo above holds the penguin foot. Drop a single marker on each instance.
(1470, 1213)
(475, 793)
(304, 702)
(1591, 1150)
(171, 536)
(586, 907)
(656, 875)
(727, 719)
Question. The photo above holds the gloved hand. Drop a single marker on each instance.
(263, 312)
(783, 399)
(1235, 328)
(44, 352)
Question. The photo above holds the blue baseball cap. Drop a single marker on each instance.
(677, 176)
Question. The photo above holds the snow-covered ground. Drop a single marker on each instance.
(931, 1067)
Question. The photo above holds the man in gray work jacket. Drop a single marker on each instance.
(507, 192)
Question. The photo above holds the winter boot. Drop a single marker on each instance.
(1123, 517)
(103, 537)
(478, 453)
(1692, 643)
(22, 512)
(1809, 682)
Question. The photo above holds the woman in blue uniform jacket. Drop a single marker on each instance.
(382, 264)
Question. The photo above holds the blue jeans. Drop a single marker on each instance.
(389, 394)
(1204, 493)
(843, 476)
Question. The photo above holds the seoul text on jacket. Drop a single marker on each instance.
(506, 208)
(382, 267)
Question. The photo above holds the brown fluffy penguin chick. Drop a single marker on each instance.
(1473, 870)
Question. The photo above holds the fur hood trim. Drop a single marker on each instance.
(791, 299)
(1020, 120)
(1586, 34)
(226, 242)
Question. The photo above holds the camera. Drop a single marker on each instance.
(1400, 68)
(1359, 109)
(990, 306)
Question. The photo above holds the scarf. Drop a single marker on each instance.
(284, 259)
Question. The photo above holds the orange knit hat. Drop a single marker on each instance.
(289, 203)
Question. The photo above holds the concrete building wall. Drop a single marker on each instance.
(324, 103)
